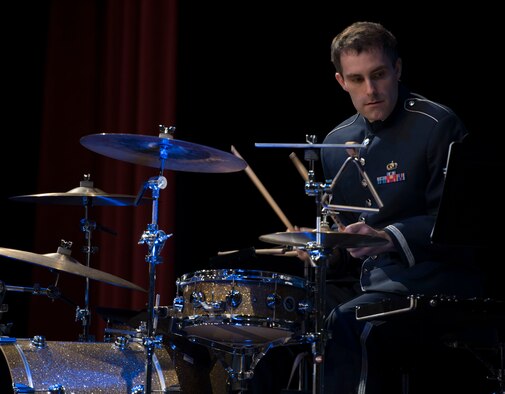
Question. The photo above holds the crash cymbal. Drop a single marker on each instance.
(65, 263)
(329, 239)
(151, 151)
(80, 196)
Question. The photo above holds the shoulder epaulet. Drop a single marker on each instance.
(426, 107)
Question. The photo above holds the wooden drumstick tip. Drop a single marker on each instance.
(264, 191)
(299, 166)
(351, 151)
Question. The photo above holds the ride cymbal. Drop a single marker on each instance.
(163, 152)
(63, 262)
(329, 239)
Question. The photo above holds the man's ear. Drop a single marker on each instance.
(340, 80)
(398, 68)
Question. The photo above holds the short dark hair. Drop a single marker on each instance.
(363, 36)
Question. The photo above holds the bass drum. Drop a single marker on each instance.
(81, 367)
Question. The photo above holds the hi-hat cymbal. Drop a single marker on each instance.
(329, 239)
(80, 196)
(62, 262)
(151, 151)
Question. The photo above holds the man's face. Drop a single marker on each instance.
(371, 81)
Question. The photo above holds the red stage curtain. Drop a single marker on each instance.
(110, 68)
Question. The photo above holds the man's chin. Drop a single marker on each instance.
(375, 114)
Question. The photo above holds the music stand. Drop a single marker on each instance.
(470, 181)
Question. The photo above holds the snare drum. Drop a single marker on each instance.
(81, 367)
(240, 306)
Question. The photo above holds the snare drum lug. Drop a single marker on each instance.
(179, 304)
(121, 342)
(56, 389)
(197, 298)
(273, 300)
(21, 388)
(216, 306)
(139, 389)
(234, 298)
(304, 307)
(39, 341)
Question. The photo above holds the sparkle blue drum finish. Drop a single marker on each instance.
(81, 367)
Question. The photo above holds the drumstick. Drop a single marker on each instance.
(299, 166)
(273, 251)
(351, 151)
(265, 193)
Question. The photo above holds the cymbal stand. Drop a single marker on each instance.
(317, 337)
(155, 240)
(87, 227)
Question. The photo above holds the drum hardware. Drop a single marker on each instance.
(86, 195)
(238, 360)
(162, 152)
(239, 306)
(62, 261)
(319, 244)
(51, 291)
(123, 325)
(239, 315)
(155, 239)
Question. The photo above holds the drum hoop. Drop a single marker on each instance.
(241, 276)
(240, 321)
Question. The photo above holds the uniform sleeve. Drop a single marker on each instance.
(412, 236)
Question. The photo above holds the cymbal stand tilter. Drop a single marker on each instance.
(155, 239)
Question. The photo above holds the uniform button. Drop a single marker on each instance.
(368, 202)
(362, 161)
(411, 103)
(363, 183)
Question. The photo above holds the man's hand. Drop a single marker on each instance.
(365, 251)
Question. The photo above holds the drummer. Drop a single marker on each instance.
(405, 140)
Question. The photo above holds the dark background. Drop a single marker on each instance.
(246, 74)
